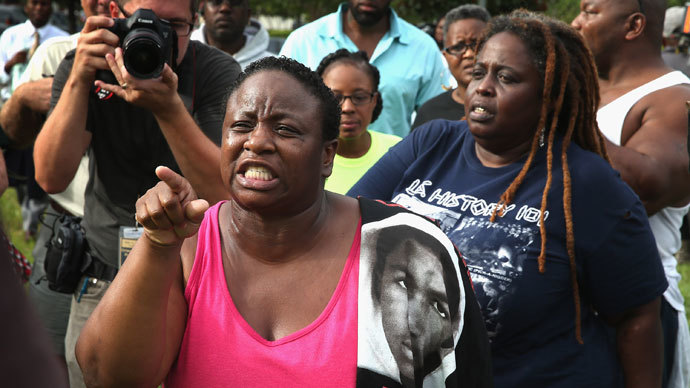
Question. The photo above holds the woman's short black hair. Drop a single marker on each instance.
(360, 59)
(466, 11)
(312, 82)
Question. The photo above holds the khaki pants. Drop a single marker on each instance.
(80, 311)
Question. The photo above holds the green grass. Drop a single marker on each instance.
(10, 213)
(279, 33)
(684, 269)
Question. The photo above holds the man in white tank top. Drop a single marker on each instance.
(642, 113)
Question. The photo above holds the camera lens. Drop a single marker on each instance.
(143, 53)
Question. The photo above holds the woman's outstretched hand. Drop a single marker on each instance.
(170, 211)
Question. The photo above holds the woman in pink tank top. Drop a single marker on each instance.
(284, 284)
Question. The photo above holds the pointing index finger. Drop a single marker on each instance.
(174, 180)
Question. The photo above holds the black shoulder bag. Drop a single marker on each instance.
(65, 255)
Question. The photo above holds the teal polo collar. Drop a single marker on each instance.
(334, 28)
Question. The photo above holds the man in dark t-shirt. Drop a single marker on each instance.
(128, 128)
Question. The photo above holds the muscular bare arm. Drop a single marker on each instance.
(653, 158)
(133, 336)
(64, 138)
(22, 115)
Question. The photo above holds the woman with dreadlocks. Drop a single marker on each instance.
(563, 262)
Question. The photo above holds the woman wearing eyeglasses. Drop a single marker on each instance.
(461, 30)
(355, 83)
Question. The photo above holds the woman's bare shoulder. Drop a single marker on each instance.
(344, 216)
(343, 206)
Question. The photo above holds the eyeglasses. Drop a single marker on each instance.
(232, 3)
(459, 48)
(358, 98)
(181, 28)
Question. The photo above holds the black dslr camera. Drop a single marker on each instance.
(147, 42)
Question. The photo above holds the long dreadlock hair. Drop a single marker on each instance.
(570, 100)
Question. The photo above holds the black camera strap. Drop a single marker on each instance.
(42, 220)
(175, 51)
(194, 78)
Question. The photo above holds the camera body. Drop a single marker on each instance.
(147, 42)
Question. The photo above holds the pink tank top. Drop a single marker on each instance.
(220, 349)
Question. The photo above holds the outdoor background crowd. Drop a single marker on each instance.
(581, 274)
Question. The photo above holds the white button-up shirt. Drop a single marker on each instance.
(19, 38)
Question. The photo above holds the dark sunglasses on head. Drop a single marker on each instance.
(460, 47)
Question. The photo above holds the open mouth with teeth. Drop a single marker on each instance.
(258, 173)
(256, 177)
(479, 113)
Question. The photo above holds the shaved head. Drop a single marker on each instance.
(654, 11)
(638, 28)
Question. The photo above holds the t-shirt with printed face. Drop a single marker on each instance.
(530, 315)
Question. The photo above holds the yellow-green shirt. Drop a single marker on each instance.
(347, 171)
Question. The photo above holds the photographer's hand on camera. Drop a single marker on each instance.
(65, 137)
(94, 43)
(187, 142)
(158, 95)
(170, 211)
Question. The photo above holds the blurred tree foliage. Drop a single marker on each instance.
(419, 11)
(565, 10)
(303, 11)
(414, 11)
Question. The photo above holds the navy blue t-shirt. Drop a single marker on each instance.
(530, 317)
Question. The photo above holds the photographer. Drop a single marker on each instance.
(128, 128)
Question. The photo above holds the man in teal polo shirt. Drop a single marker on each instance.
(408, 59)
